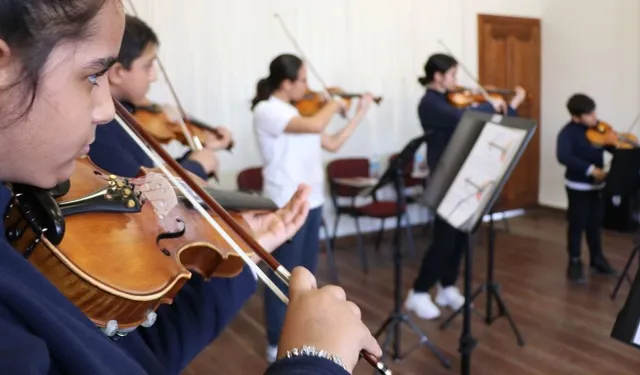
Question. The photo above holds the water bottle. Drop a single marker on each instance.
(418, 159)
(374, 166)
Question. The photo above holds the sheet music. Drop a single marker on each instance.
(482, 170)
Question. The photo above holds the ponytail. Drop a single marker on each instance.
(423, 81)
(263, 92)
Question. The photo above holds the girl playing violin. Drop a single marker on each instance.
(53, 95)
(584, 180)
(440, 117)
(130, 79)
(291, 146)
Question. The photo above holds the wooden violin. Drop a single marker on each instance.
(463, 97)
(115, 251)
(157, 123)
(313, 101)
(599, 134)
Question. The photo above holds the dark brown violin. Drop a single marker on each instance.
(118, 247)
(158, 124)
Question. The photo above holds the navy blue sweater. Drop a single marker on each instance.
(441, 118)
(43, 333)
(115, 152)
(577, 154)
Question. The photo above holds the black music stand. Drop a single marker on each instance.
(493, 290)
(395, 174)
(626, 327)
(624, 179)
(467, 181)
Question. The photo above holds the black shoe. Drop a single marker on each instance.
(602, 267)
(575, 273)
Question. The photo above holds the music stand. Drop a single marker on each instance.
(626, 328)
(624, 179)
(395, 175)
(467, 181)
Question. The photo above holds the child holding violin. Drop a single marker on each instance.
(439, 116)
(291, 147)
(130, 79)
(54, 93)
(584, 180)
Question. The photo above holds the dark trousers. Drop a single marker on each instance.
(584, 215)
(442, 260)
(302, 250)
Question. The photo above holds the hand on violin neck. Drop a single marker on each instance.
(519, 97)
(364, 104)
(272, 229)
(207, 158)
(220, 141)
(324, 319)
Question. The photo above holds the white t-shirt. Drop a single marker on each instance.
(289, 159)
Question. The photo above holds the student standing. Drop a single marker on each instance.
(440, 118)
(291, 148)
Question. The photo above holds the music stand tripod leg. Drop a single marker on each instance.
(393, 323)
(625, 272)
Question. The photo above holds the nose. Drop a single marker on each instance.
(104, 110)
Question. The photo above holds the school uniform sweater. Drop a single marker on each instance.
(116, 152)
(43, 333)
(579, 156)
(441, 118)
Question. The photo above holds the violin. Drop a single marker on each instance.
(158, 124)
(599, 134)
(118, 247)
(462, 97)
(313, 101)
(115, 251)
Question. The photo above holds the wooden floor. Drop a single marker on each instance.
(566, 328)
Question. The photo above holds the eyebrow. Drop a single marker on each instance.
(103, 63)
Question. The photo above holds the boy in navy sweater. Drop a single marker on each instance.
(53, 94)
(438, 116)
(130, 80)
(584, 180)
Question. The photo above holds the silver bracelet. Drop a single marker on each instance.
(311, 351)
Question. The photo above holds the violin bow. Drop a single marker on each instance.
(304, 57)
(484, 92)
(160, 156)
(194, 142)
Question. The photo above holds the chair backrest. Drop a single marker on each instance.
(250, 180)
(344, 168)
(409, 180)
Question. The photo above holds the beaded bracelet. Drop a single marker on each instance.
(313, 352)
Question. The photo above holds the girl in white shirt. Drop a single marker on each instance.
(291, 148)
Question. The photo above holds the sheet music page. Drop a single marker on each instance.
(480, 173)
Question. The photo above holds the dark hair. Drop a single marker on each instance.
(437, 63)
(282, 68)
(580, 104)
(137, 36)
(32, 28)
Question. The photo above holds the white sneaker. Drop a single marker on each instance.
(449, 297)
(271, 354)
(422, 305)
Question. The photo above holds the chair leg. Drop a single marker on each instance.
(331, 262)
(380, 235)
(361, 249)
(335, 231)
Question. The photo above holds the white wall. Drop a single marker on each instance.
(216, 50)
(591, 47)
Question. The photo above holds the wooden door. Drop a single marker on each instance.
(509, 55)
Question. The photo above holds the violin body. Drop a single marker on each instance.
(158, 124)
(313, 101)
(104, 246)
(599, 134)
(463, 97)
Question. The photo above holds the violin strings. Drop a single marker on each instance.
(281, 272)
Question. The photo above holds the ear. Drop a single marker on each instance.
(116, 74)
(6, 64)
